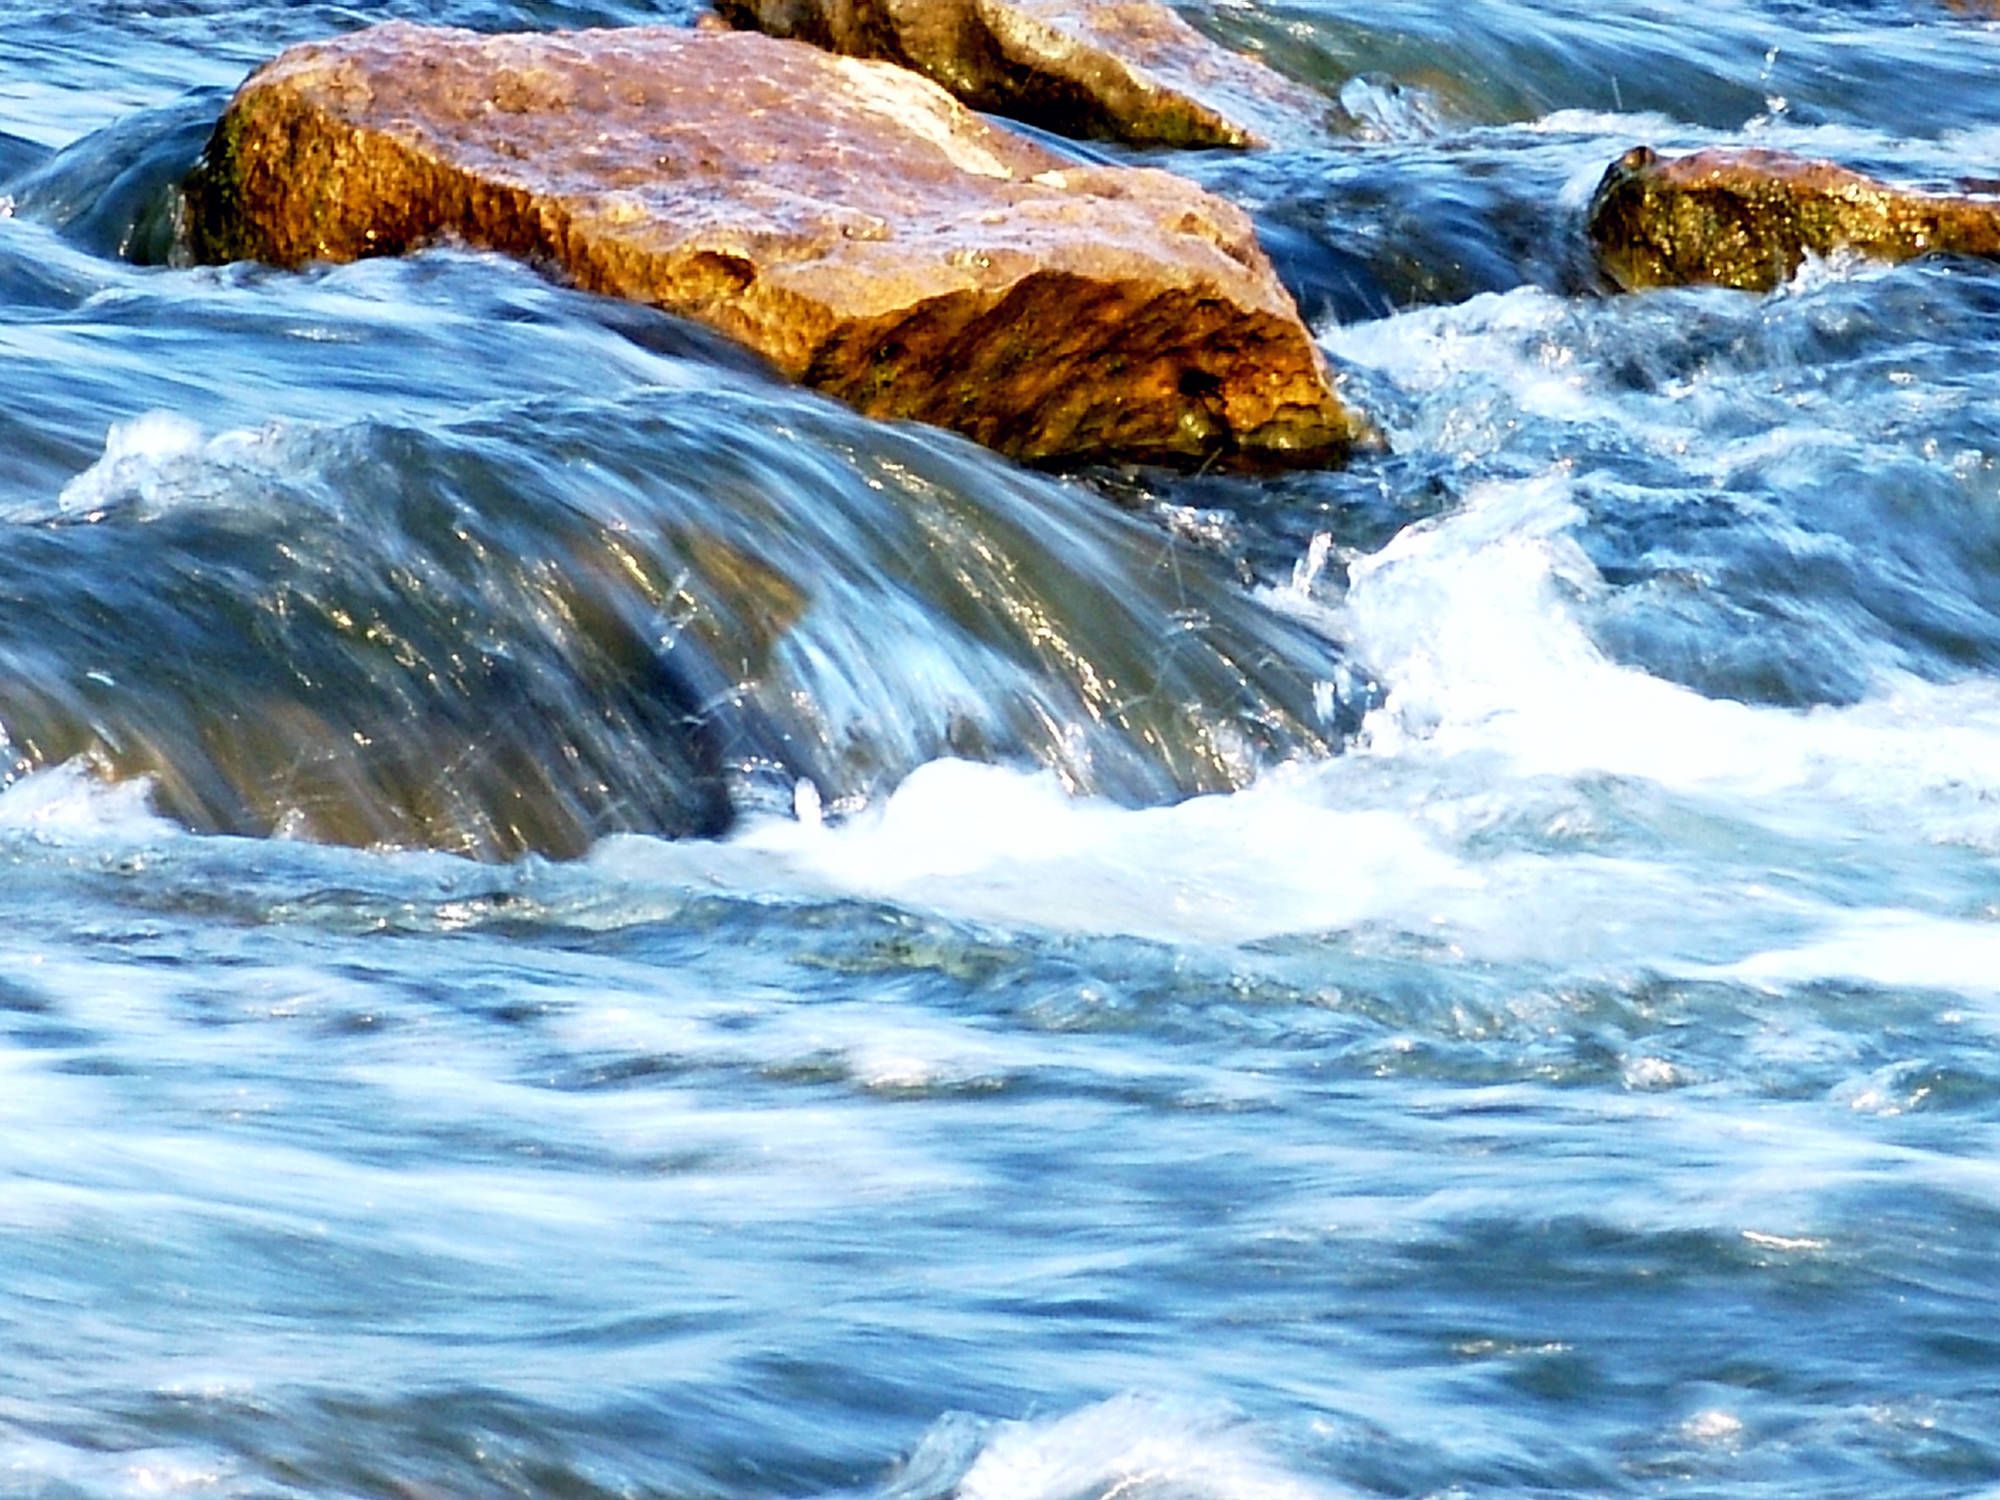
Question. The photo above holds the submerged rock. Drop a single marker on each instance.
(1749, 218)
(850, 222)
(1129, 69)
(460, 636)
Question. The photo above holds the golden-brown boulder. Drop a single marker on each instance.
(1130, 70)
(852, 223)
(1749, 218)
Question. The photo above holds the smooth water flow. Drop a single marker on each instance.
(575, 921)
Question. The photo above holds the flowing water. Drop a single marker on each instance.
(576, 922)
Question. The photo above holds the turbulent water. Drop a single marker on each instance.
(576, 922)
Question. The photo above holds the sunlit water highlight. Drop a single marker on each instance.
(1471, 975)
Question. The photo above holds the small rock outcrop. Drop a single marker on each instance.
(849, 221)
(1129, 70)
(1748, 218)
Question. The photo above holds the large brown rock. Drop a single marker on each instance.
(1749, 218)
(1131, 70)
(849, 221)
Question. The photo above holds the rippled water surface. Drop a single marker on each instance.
(575, 922)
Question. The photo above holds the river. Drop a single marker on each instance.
(576, 922)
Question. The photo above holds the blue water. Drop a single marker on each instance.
(574, 922)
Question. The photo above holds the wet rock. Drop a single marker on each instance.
(847, 220)
(1131, 70)
(1749, 218)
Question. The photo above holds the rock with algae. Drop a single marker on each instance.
(852, 223)
(1749, 218)
(1131, 70)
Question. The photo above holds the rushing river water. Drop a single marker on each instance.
(574, 922)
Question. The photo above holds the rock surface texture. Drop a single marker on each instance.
(849, 221)
(1748, 218)
(1128, 69)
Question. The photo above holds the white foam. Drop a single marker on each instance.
(993, 844)
(1466, 620)
(71, 803)
(161, 461)
(1480, 365)
(1648, 125)
(1464, 817)
(38, 1462)
(1891, 948)
(1133, 1447)
(1471, 622)
(1472, 619)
